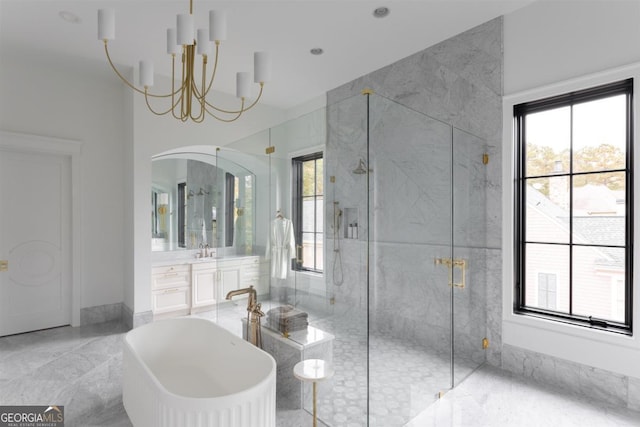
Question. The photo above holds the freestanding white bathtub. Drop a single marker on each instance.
(191, 372)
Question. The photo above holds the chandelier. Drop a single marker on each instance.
(189, 101)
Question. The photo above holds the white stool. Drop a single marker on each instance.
(313, 370)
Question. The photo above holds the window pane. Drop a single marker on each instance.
(308, 178)
(319, 214)
(547, 141)
(319, 176)
(547, 210)
(599, 134)
(547, 276)
(308, 214)
(595, 274)
(319, 252)
(599, 211)
(308, 246)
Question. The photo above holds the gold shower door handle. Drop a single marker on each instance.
(451, 264)
(299, 254)
(4, 265)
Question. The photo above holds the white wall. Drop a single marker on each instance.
(553, 48)
(550, 41)
(42, 98)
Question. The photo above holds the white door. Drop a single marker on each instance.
(35, 241)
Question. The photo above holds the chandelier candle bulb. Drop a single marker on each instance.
(106, 24)
(172, 46)
(243, 84)
(217, 25)
(261, 67)
(185, 29)
(203, 43)
(146, 73)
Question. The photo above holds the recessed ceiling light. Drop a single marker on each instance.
(316, 51)
(381, 12)
(70, 17)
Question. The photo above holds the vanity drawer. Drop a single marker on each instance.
(172, 276)
(172, 299)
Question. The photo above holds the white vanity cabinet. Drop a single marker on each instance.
(171, 289)
(204, 284)
(229, 274)
(199, 285)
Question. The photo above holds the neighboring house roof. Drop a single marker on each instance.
(595, 229)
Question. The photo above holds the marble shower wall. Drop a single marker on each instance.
(450, 114)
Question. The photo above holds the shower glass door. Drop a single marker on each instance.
(470, 250)
(410, 235)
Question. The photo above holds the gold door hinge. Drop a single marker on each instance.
(4, 265)
(485, 343)
(485, 158)
(270, 150)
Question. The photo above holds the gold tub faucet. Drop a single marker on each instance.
(254, 313)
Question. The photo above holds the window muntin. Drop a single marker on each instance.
(308, 208)
(574, 206)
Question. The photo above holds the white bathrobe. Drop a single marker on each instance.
(281, 247)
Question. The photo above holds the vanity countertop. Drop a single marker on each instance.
(185, 261)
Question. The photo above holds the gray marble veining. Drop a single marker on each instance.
(606, 387)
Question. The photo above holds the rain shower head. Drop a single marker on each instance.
(361, 169)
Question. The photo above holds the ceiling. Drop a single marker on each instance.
(354, 41)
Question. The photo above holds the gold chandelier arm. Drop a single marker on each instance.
(146, 98)
(106, 50)
(200, 117)
(238, 114)
(215, 68)
(220, 110)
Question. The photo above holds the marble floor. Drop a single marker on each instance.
(491, 397)
(81, 368)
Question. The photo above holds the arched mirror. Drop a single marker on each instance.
(202, 200)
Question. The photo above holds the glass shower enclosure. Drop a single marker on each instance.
(400, 305)
(405, 257)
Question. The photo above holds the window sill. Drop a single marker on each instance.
(584, 324)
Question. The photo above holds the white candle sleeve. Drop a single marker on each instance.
(217, 25)
(261, 67)
(185, 29)
(106, 24)
(146, 73)
(243, 84)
